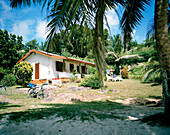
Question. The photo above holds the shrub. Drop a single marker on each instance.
(23, 72)
(91, 70)
(137, 71)
(9, 80)
(74, 71)
(73, 78)
(91, 81)
(3, 72)
(124, 73)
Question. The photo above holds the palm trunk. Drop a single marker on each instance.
(98, 49)
(163, 48)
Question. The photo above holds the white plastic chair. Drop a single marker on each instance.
(110, 78)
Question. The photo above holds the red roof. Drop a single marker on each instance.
(55, 56)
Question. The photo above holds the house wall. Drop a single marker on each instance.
(47, 66)
(43, 61)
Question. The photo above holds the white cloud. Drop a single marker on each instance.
(5, 13)
(41, 30)
(133, 33)
(22, 28)
(2, 23)
(113, 22)
(5, 6)
(112, 18)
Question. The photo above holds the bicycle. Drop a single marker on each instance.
(5, 90)
(33, 93)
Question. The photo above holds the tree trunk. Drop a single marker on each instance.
(163, 48)
(98, 48)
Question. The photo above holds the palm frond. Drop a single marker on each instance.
(147, 74)
(20, 3)
(150, 28)
(133, 14)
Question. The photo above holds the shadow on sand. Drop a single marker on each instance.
(78, 110)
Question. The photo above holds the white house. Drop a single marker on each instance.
(48, 66)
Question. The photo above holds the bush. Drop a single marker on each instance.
(10, 80)
(3, 72)
(124, 73)
(91, 81)
(74, 71)
(73, 78)
(137, 71)
(91, 70)
(23, 72)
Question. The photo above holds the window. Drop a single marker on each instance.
(59, 66)
(71, 67)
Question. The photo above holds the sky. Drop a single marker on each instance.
(30, 23)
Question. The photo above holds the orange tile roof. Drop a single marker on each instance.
(55, 56)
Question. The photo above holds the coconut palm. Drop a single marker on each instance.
(63, 13)
(163, 49)
(117, 42)
(151, 25)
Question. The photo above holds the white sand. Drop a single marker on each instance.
(128, 126)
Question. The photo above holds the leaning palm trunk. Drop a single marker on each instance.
(163, 48)
(98, 48)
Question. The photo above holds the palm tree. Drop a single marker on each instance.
(63, 13)
(117, 43)
(163, 49)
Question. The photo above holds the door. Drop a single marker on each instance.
(36, 70)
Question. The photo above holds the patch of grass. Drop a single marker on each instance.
(130, 88)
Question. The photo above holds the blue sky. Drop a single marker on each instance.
(30, 23)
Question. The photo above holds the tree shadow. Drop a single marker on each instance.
(151, 83)
(7, 105)
(155, 97)
(78, 111)
(157, 120)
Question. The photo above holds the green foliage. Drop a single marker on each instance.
(74, 71)
(23, 72)
(73, 78)
(137, 71)
(124, 73)
(91, 70)
(110, 59)
(9, 80)
(76, 41)
(10, 49)
(117, 44)
(91, 81)
(152, 72)
(147, 72)
(3, 72)
(32, 45)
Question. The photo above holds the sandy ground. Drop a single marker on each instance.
(52, 126)
(130, 125)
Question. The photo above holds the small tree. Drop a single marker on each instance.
(9, 80)
(124, 72)
(23, 72)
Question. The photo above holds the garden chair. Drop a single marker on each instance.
(117, 78)
(110, 78)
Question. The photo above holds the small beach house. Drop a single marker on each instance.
(47, 66)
